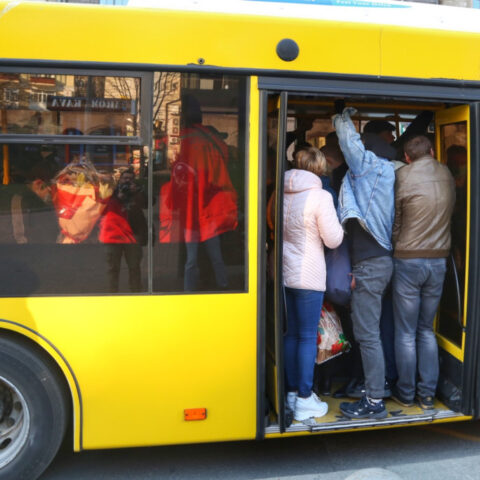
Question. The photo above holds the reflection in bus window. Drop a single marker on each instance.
(124, 229)
(50, 104)
(68, 214)
(453, 144)
(199, 137)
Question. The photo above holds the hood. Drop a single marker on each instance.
(300, 180)
(379, 146)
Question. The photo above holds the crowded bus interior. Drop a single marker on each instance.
(303, 120)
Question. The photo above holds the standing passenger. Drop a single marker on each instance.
(309, 222)
(367, 211)
(424, 202)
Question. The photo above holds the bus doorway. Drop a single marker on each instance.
(450, 130)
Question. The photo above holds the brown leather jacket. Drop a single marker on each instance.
(424, 201)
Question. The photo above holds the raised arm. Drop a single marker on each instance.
(358, 159)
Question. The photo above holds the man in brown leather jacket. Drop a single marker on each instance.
(424, 201)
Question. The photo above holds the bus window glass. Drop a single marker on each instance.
(199, 181)
(52, 104)
(73, 219)
(453, 144)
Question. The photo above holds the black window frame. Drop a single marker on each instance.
(145, 139)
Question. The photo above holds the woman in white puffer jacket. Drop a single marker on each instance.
(309, 222)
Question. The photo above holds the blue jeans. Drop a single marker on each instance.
(300, 342)
(214, 252)
(417, 288)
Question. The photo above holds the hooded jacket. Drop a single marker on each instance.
(367, 191)
(309, 222)
(199, 202)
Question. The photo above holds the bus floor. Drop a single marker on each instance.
(335, 421)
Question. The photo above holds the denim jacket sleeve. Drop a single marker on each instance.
(358, 159)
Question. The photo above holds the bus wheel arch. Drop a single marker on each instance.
(37, 404)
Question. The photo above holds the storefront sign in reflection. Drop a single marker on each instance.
(82, 104)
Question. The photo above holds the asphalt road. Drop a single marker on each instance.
(445, 452)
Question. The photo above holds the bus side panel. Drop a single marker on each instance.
(140, 361)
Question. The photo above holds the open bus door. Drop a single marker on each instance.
(453, 135)
(275, 317)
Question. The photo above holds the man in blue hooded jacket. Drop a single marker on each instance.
(366, 210)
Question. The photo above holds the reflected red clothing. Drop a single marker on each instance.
(114, 226)
(199, 202)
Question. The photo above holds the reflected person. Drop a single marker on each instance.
(199, 203)
(124, 228)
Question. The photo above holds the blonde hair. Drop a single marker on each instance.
(311, 159)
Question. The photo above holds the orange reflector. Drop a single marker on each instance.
(194, 414)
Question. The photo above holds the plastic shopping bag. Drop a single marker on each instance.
(331, 341)
(80, 196)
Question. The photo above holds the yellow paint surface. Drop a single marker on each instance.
(64, 32)
(140, 361)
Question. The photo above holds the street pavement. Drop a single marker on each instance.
(449, 451)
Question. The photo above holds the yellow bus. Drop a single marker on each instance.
(135, 306)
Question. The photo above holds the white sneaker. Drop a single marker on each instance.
(309, 407)
(291, 400)
(317, 398)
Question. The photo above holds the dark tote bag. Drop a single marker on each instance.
(339, 272)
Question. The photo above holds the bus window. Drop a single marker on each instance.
(199, 135)
(73, 220)
(453, 150)
(53, 104)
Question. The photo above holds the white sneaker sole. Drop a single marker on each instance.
(306, 414)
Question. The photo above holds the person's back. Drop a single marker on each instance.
(425, 194)
(309, 222)
(366, 207)
(424, 202)
(366, 192)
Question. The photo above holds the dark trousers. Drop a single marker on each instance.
(133, 257)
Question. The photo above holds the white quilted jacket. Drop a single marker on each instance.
(309, 222)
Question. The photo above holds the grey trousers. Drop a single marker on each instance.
(372, 277)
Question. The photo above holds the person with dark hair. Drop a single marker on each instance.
(383, 128)
(424, 202)
(27, 214)
(366, 211)
(123, 227)
(336, 162)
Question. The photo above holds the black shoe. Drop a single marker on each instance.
(325, 386)
(342, 391)
(401, 400)
(364, 409)
(358, 391)
(425, 402)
